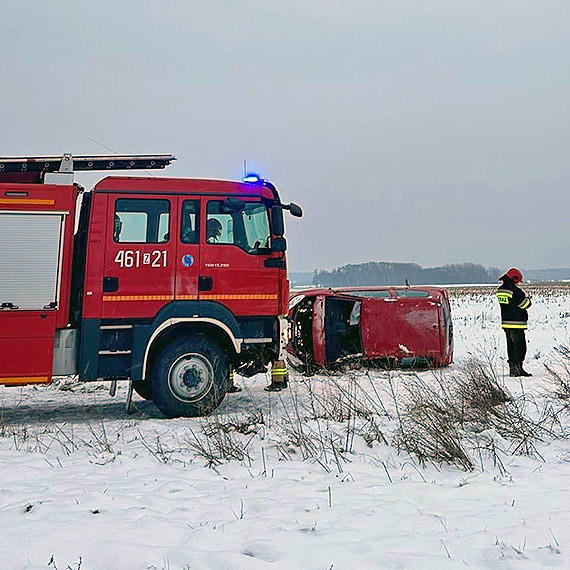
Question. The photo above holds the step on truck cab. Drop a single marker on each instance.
(169, 283)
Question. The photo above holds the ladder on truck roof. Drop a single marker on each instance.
(60, 169)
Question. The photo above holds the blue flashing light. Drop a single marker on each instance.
(252, 178)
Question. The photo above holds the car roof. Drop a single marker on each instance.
(361, 291)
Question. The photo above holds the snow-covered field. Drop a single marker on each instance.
(304, 486)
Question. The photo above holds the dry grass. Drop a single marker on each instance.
(458, 418)
(559, 373)
(438, 420)
(428, 426)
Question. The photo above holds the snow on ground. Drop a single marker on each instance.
(83, 485)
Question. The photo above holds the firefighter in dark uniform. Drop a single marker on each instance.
(514, 318)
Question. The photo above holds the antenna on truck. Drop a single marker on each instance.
(60, 168)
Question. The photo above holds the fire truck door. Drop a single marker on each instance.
(237, 267)
(139, 267)
(400, 327)
(187, 261)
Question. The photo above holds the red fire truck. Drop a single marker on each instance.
(169, 283)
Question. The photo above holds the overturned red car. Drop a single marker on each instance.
(384, 326)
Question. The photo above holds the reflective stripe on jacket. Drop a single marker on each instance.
(514, 304)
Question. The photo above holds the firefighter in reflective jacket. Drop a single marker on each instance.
(514, 318)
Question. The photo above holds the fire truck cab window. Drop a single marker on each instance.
(189, 228)
(141, 221)
(247, 229)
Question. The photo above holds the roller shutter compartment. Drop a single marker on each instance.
(30, 251)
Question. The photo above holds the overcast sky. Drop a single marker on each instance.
(431, 132)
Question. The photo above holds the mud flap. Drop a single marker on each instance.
(130, 408)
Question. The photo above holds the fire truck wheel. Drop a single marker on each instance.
(189, 377)
(142, 388)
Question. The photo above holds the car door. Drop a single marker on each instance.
(319, 334)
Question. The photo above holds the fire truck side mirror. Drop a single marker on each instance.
(295, 210)
(233, 205)
(279, 244)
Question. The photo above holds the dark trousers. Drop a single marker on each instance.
(516, 346)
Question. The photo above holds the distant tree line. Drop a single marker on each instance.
(387, 273)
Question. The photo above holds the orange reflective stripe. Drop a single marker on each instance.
(22, 380)
(138, 297)
(244, 297)
(27, 201)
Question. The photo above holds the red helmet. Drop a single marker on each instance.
(514, 274)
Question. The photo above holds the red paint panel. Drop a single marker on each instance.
(26, 346)
(66, 262)
(240, 281)
(284, 286)
(400, 328)
(145, 272)
(93, 288)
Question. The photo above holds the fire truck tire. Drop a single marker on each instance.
(143, 389)
(190, 377)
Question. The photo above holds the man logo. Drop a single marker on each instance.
(187, 260)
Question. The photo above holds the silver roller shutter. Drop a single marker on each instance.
(30, 246)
